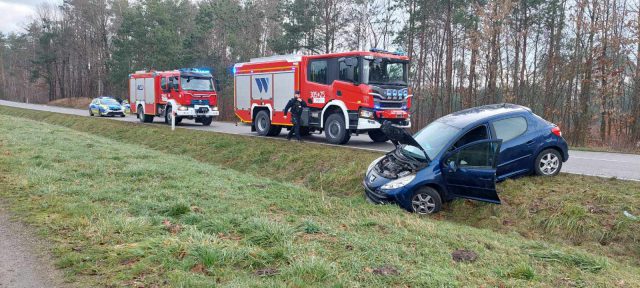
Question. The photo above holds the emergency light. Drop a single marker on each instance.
(196, 70)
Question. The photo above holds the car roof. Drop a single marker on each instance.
(476, 115)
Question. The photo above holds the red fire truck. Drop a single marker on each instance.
(351, 92)
(189, 92)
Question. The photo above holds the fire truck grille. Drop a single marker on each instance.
(203, 110)
(390, 105)
(200, 102)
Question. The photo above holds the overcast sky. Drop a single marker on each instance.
(17, 13)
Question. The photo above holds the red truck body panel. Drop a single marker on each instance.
(263, 83)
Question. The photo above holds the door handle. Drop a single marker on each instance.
(530, 142)
(339, 93)
(486, 178)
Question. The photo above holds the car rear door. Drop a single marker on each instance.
(518, 145)
(470, 171)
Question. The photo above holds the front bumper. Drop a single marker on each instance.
(370, 124)
(197, 111)
(376, 197)
(112, 112)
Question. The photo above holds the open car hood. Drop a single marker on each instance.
(400, 136)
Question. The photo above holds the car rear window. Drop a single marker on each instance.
(507, 129)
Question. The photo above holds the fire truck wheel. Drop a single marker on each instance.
(335, 130)
(378, 136)
(206, 121)
(167, 115)
(141, 114)
(262, 122)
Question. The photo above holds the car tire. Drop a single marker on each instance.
(90, 112)
(335, 130)
(206, 121)
(548, 163)
(122, 115)
(378, 136)
(425, 201)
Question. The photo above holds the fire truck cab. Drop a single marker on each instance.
(346, 93)
(190, 93)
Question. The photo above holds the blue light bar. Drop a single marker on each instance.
(203, 70)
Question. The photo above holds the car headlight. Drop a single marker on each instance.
(374, 163)
(183, 108)
(366, 114)
(215, 108)
(400, 182)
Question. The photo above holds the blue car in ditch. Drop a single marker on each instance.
(463, 155)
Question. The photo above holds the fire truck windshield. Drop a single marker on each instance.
(196, 83)
(384, 71)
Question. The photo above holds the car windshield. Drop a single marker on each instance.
(109, 102)
(196, 83)
(432, 138)
(384, 71)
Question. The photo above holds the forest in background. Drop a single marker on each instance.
(574, 62)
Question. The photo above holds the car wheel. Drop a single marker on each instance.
(378, 136)
(335, 130)
(426, 200)
(548, 163)
(90, 112)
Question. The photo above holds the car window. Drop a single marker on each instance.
(318, 71)
(433, 138)
(481, 155)
(507, 129)
(475, 134)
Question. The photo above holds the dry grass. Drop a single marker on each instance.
(78, 103)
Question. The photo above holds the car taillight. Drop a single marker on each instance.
(556, 130)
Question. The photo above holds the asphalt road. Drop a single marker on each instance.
(602, 164)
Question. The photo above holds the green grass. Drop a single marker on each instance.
(569, 209)
(134, 219)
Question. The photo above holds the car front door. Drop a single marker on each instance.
(470, 171)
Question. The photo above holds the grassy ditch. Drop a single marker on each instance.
(582, 211)
(119, 214)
